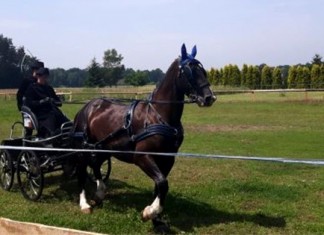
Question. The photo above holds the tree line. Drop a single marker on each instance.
(310, 75)
(15, 65)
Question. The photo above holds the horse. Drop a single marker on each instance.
(152, 125)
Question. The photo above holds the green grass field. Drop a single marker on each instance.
(207, 196)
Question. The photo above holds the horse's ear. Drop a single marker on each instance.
(194, 51)
(183, 52)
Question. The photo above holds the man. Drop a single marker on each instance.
(43, 101)
(27, 82)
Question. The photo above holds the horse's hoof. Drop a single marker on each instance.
(96, 203)
(144, 217)
(86, 211)
(100, 196)
(145, 214)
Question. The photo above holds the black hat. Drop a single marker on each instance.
(37, 65)
(42, 71)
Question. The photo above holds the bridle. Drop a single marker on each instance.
(186, 74)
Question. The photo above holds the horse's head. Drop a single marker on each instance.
(193, 78)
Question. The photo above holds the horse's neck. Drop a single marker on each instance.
(169, 101)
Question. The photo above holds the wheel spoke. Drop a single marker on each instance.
(30, 176)
(6, 170)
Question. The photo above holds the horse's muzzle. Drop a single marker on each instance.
(206, 101)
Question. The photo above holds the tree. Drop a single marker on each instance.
(256, 77)
(95, 76)
(112, 59)
(76, 77)
(317, 59)
(316, 76)
(235, 76)
(321, 82)
(231, 75)
(249, 80)
(156, 75)
(58, 77)
(292, 77)
(266, 77)
(244, 74)
(113, 75)
(277, 81)
(113, 68)
(10, 61)
(284, 74)
(306, 77)
(300, 77)
(303, 77)
(138, 78)
(211, 76)
(218, 77)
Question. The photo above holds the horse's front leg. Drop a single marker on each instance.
(82, 178)
(149, 166)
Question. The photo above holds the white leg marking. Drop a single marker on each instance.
(83, 201)
(156, 206)
(101, 190)
(150, 212)
(101, 185)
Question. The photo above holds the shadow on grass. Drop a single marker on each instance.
(185, 214)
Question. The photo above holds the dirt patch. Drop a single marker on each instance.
(230, 128)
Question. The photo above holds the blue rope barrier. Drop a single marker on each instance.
(179, 154)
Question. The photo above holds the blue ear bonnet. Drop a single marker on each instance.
(186, 59)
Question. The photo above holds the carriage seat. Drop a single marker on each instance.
(29, 118)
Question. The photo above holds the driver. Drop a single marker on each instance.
(41, 98)
(27, 82)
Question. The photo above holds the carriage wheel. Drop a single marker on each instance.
(6, 170)
(105, 170)
(30, 176)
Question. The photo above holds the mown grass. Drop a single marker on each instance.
(207, 196)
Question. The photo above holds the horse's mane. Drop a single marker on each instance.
(172, 71)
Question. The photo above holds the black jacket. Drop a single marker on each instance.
(41, 99)
(22, 90)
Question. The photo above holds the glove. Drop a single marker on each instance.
(46, 100)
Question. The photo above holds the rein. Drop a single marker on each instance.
(148, 101)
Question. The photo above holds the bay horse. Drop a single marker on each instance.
(153, 125)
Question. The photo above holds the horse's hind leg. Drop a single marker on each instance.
(82, 177)
(101, 186)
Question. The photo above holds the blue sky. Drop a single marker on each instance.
(149, 33)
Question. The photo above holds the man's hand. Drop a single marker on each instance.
(46, 100)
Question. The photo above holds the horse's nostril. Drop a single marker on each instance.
(209, 100)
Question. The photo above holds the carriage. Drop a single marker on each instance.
(30, 165)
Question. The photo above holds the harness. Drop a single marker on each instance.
(161, 128)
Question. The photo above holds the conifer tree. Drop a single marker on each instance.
(277, 81)
(292, 77)
(266, 77)
(316, 76)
